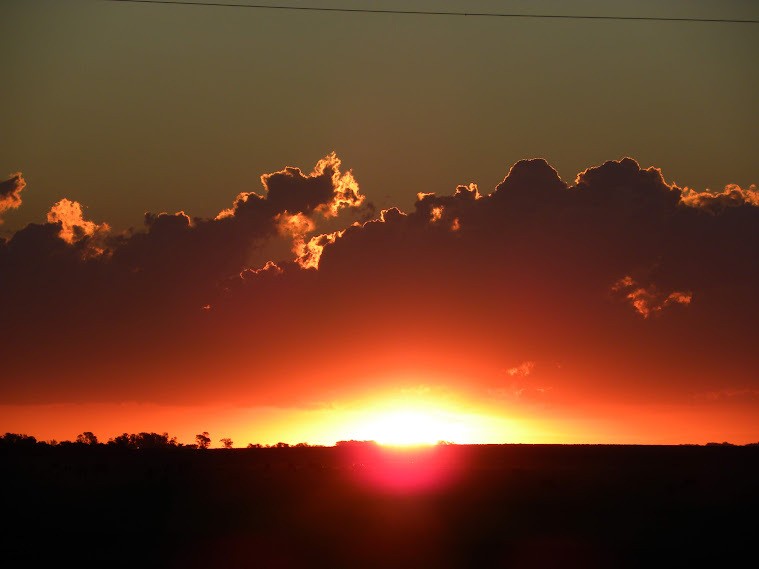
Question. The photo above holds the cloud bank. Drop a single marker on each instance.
(629, 286)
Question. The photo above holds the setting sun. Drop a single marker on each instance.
(403, 428)
(418, 423)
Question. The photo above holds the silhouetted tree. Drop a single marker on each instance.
(17, 441)
(124, 441)
(356, 444)
(254, 445)
(155, 440)
(144, 441)
(203, 440)
(87, 438)
(226, 442)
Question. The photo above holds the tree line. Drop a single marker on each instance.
(132, 441)
(145, 440)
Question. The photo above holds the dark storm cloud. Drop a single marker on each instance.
(10, 192)
(617, 279)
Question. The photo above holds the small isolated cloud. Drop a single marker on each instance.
(10, 192)
(523, 369)
(742, 394)
(649, 300)
(520, 384)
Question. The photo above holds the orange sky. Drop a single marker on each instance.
(378, 420)
(618, 308)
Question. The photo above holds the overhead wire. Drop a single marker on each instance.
(440, 12)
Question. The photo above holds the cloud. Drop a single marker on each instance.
(649, 300)
(531, 179)
(621, 276)
(74, 227)
(10, 192)
(325, 190)
(729, 393)
(309, 253)
(523, 369)
(715, 203)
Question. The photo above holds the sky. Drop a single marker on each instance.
(310, 227)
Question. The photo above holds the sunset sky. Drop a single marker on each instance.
(308, 227)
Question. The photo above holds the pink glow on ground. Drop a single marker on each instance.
(402, 470)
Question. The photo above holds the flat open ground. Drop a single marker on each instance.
(362, 506)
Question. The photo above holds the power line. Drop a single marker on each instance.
(438, 13)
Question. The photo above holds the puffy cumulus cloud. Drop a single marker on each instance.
(289, 193)
(458, 289)
(533, 271)
(626, 181)
(325, 190)
(534, 177)
(194, 257)
(10, 192)
(295, 225)
(715, 202)
(74, 227)
(130, 293)
(309, 253)
(294, 204)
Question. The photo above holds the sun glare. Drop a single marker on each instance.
(405, 428)
(417, 425)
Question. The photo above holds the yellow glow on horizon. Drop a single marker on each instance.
(409, 427)
(419, 421)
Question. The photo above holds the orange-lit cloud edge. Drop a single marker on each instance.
(619, 253)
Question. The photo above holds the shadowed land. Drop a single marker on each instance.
(360, 505)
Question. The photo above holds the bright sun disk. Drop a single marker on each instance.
(410, 427)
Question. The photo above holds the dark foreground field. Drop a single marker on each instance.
(364, 507)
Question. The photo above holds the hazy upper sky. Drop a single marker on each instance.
(129, 108)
